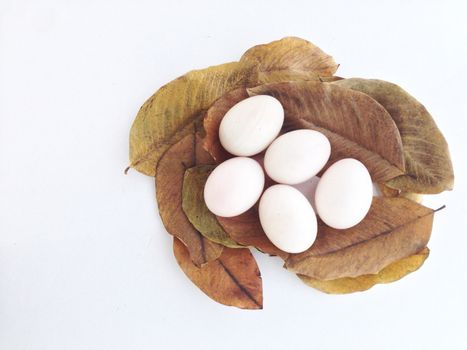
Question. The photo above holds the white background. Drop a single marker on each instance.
(84, 260)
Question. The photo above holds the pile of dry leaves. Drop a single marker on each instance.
(175, 139)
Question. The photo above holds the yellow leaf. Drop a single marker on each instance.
(390, 273)
(169, 114)
(289, 59)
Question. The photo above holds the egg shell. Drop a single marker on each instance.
(287, 218)
(344, 194)
(297, 156)
(234, 186)
(251, 125)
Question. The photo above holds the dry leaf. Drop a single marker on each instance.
(390, 273)
(392, 192)
(212, 121)
(393, 229)
(246, 229)
(330, 79)
(168, 115)
(196, 210)
(289, 59)
(355, 124)
(370, 120)
(428, 163)
(169, 183)
(416, 197)
(232, 279)
(388, 191)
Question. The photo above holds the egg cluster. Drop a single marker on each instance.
(342, 196)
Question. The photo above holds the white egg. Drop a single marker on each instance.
(297, 156)
(344, 194)
(234, 186)
(251, 125)
(287, 218)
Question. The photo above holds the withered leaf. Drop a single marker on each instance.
(388, 191)
(330, 79)
(390, 273)
(196, 210)
(356, 125)
(394, 228)
(392, 192)
(428, 163)
(246, 229)
(184, 154)
(289, 59)
(212, 121)
(168, 115)
(232, 279)
(416, 197)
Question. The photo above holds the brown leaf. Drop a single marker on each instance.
(390, 273)
(184, 154)
(393, 229)
(355, 124)
(289, 59)
(246, 229)
(168, 115)
(330, 79)
(212, 121)
(196, 210)
(232, 279)
(428, 163)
